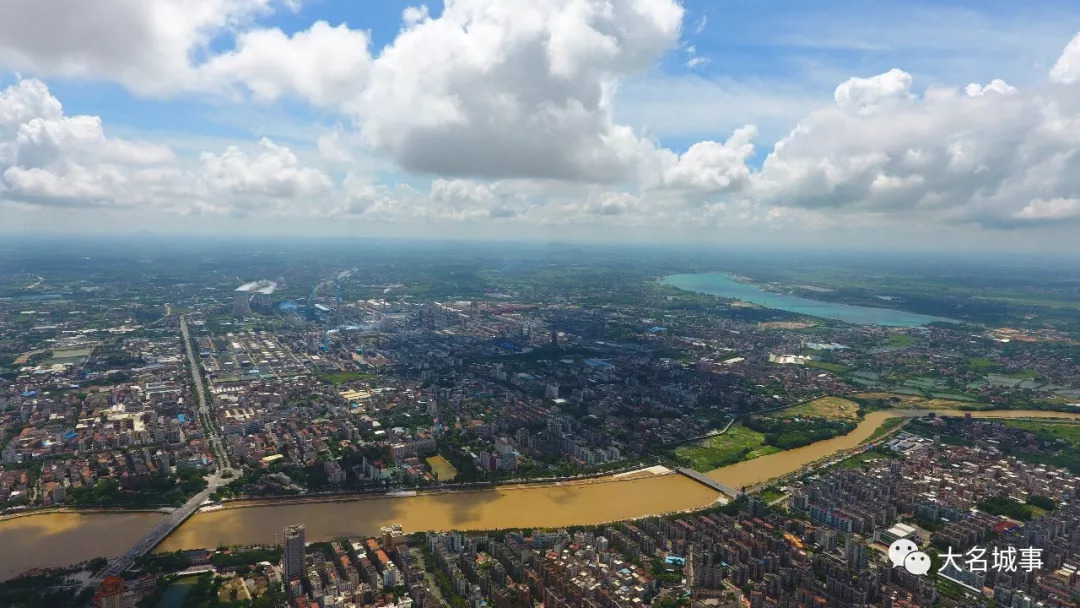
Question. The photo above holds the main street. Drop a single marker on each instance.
(221, 476)
(210, 426)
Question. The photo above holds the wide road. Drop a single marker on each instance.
(210, 426)
(217, 479)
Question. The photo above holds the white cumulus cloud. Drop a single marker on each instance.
(163, 47)
(976, 157)
(515, 88)
(506, 107)
(1066, 69)
(707, 166)
(49, 158)
(147, 45)
(273, 172)
(325, 65)
(864, 95)
(1053, 209)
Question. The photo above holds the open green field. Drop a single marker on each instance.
(1067, 432)
(901, 340)
(737, 444)
(979, 363)
(833, 408)
(442, 467)
(1027, 374)
(1037, 301)
(870, 455)
(829, 367)
(1069, 454)
(771, 493)
(914, 401)
(72, 352)
(887, 426)
(345, 377)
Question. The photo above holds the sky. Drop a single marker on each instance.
(892, 123)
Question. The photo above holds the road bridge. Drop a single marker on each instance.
(220, 477)
(156, 534)
(721, 487)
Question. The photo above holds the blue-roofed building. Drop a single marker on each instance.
(599, 363)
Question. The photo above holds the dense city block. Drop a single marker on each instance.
(194, 382)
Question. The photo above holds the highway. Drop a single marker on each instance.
(217, 479)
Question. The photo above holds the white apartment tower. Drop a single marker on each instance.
(292, 559)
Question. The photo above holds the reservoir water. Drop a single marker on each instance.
(725, 286)
(54, 539)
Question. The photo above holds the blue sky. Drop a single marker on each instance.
(789, 54)
(727, 65)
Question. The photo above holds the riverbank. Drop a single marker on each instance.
(57, 539)
(244, 503)
(527, 507)
(74, 510)
(762, 469)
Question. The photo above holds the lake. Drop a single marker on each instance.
(725, 286)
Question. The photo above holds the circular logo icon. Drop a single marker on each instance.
(899, 550)
(917, 563)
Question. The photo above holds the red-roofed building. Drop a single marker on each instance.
(113, 594)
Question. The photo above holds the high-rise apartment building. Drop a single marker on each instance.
(293, 557)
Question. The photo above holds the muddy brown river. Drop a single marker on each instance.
(764, 468)
(52, 539)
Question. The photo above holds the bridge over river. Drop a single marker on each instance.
(157, 534)
(537, 505)
(219, 478)
(719, 486)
